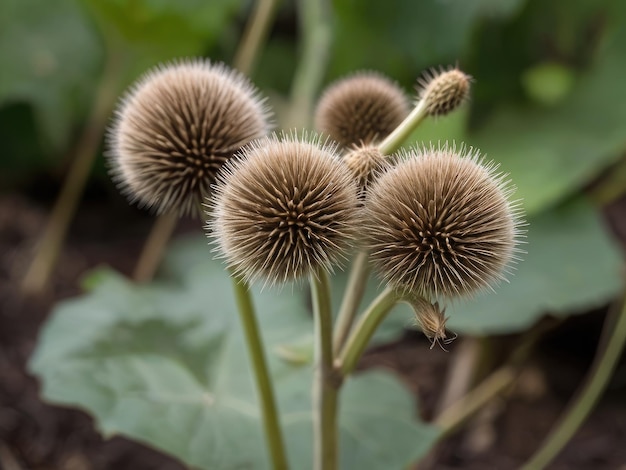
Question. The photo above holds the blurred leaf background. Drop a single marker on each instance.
(546, 104)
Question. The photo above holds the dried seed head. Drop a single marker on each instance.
(175, 129)
(432, 320)
(441, 224)
(444, 91)
(283, 210)
(365, 163)
(362, 108)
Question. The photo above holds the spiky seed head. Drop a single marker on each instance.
(441, 223)
(432, 320)
(444, 91)
(362, 108)
(177, 126)
(286, 208)
(365, 163)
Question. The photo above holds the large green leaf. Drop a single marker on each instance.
(571, 266)
(404, 36)
(50, 58)
(166, 364)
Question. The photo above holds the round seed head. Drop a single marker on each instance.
(284, 209)
(177, 126)
(444, 91)
(365, 163)
(362, 108)
(441, 224)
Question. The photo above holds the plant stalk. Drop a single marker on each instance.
(54, 233)
(604, 363)
(351, 299)
(316, 40)
(364, 330)
(395, 140)
(155, 245)
(254, 35)
(325, 388)
(271, 423)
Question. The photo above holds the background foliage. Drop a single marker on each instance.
(544, 104)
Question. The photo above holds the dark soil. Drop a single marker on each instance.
(37, 436)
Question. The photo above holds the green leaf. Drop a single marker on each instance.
(50, 58)
(552, 152)
(571, 266)
(373, 34)
(166, 364)
(548, 83)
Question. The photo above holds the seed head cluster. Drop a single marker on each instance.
(443, 92)
(361, 109)
(176, 128)
(441, 223)
(284, 209)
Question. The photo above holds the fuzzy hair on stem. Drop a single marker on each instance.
(441, 223)
(176, 127)
(284, 208)
(361, 109)
(443, 91)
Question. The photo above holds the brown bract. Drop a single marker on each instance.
(362, 108)
(284, 209)
(444, 91)
(175, 129)
(440, 223)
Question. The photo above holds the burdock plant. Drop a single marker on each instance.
(435, 223)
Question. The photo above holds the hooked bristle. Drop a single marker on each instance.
(175, 129)
(441, 224)
(284, 209)
(361, 109)
(444, 91)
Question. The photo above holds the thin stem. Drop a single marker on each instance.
(395, 140)
(463, 409)
(54, 233)
(351, 299)
(324, 386)
(254, 35)
(273, 432)
(597, 380)
(364, 330)
(154, 246)
(316, 41)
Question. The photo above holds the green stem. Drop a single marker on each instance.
(395, 140)
(254, 36)
(273, 432)
(65, 207)
(316, 41)
(601, 371)
(364, 330)
(352, 298)
(154, 246)
(459, 412)
(324, 387)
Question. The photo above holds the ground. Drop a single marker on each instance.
(37, 436)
